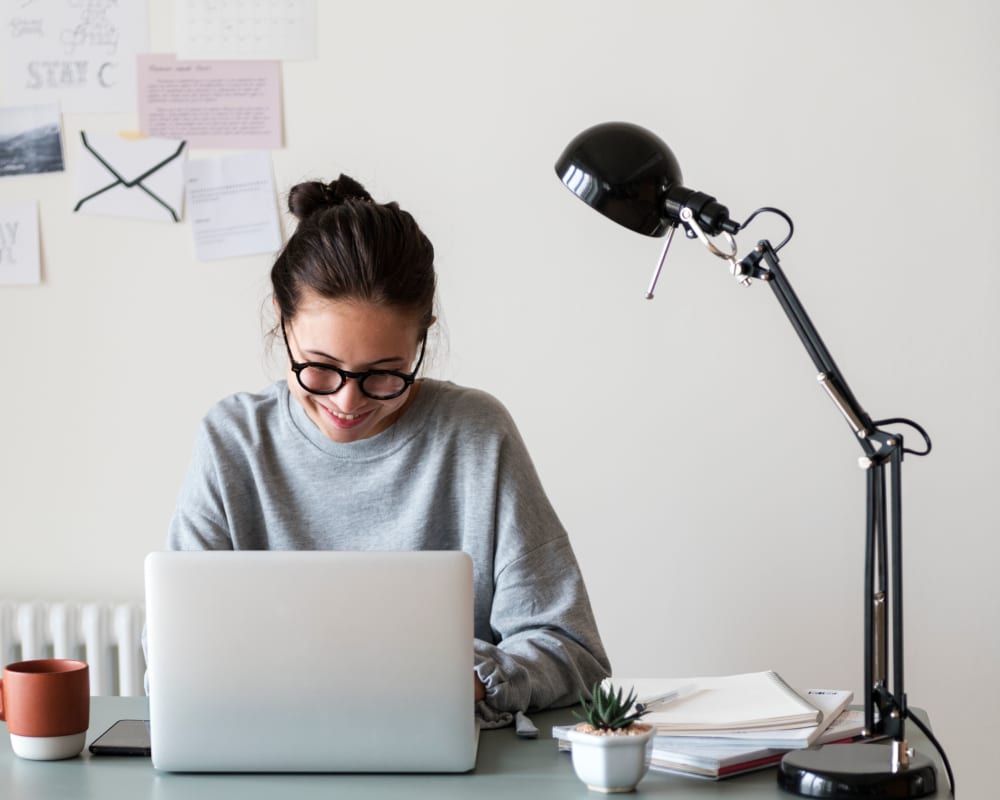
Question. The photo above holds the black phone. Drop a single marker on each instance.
(127, 737)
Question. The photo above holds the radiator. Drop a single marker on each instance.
(108, 637)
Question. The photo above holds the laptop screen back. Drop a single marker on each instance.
(310, 661)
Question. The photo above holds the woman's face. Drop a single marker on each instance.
(355, 336)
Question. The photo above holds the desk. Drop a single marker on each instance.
(507, 767)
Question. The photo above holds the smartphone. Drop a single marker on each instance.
(127, 737)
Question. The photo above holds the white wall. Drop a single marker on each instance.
(684, 441)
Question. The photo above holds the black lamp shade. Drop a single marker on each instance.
(624, 172)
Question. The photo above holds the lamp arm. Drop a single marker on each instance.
(883, 509)
(829, 377)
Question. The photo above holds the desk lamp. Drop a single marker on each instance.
(631, 176)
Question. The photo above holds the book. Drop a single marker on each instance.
(829, 702)
(714, 758)
(726, 704)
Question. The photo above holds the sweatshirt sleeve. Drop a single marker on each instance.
(546, 647)
(200, 519)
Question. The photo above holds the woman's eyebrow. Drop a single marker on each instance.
(328, 357)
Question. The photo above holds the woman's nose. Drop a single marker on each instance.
(350, 396)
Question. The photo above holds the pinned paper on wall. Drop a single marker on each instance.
(123, 177)
(232, 205)
(236, 29)
(79, 53)
(30, 140)
(218, 104)
(20, 257)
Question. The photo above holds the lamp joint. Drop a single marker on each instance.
(901, 755)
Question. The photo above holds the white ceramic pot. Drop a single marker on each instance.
(612, 763)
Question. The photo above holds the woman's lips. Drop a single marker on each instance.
(345, 421)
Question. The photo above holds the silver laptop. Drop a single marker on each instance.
(310, 661)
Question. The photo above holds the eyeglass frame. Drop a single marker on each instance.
(346, 375)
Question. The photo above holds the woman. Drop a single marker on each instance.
(353, 452)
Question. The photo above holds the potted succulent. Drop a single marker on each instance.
(610, 748)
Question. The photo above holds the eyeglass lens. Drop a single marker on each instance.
(377, 385)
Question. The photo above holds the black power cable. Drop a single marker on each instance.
(944, 756)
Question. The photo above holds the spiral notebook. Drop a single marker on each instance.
(728, 703)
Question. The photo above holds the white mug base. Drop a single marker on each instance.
(48, 748)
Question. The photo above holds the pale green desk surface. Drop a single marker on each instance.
(507, 767)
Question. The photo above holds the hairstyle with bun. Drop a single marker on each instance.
(348, 247)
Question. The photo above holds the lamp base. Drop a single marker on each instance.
(855, 770)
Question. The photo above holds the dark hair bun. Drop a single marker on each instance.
(306, 199)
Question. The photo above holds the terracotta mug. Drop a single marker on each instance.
(46, 704)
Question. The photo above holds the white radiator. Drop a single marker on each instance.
(108, 637)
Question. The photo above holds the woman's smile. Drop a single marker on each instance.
(345, 421)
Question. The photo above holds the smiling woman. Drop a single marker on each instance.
(347, 405)
(354, 289)
(352, 451)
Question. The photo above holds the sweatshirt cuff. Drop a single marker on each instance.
(508, 687)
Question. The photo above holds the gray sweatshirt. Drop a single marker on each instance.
(451, 474)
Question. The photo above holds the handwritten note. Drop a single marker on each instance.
(219, 104)
(232, 206)
(20, 263)
(246, 29)
(79, 53)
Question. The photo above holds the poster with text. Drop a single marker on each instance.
(79, 53)
(20, 262)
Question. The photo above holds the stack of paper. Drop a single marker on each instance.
(715, 758)
(729, 725)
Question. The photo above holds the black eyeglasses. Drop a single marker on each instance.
(378, 384)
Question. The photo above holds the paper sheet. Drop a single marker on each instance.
(218, 104)
(30, 140)
(232, 206)
(283, 30)
(20, 262)
(136, 178)
(79, 53)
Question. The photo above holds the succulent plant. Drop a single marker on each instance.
(608, 709)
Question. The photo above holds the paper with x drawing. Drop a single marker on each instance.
(137, 178)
